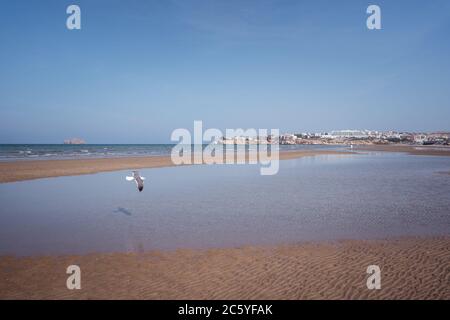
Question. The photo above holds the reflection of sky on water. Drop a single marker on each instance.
(313, 198)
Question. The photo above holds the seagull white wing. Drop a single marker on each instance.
(129, 178)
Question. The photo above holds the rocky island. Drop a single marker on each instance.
(74, 141)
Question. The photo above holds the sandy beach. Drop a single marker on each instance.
(411, 268)
(34, 169)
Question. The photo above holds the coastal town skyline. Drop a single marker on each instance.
(391, 136)
(286, 137)
(325, 137)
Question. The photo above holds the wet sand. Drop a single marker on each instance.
(34, 169)
(411, 268)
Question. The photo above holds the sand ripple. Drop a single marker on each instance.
(412, 268)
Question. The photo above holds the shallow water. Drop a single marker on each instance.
(313, 198)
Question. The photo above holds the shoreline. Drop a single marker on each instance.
(20, 170)
(417, 150)
(411, 268)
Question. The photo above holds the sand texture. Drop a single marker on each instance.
(411, 268)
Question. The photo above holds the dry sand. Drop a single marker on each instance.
(411, 268)
(34, 169)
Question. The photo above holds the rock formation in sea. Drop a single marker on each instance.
(74, 141)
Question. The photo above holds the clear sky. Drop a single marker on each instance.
(139, 69)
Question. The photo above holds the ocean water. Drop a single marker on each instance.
(67, 151)
(9, 152)
(322, 198)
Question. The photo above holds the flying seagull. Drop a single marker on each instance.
(139, 180)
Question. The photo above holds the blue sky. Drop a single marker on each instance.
(139, 69)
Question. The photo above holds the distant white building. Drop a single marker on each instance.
(420, 138)
(359, 134)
